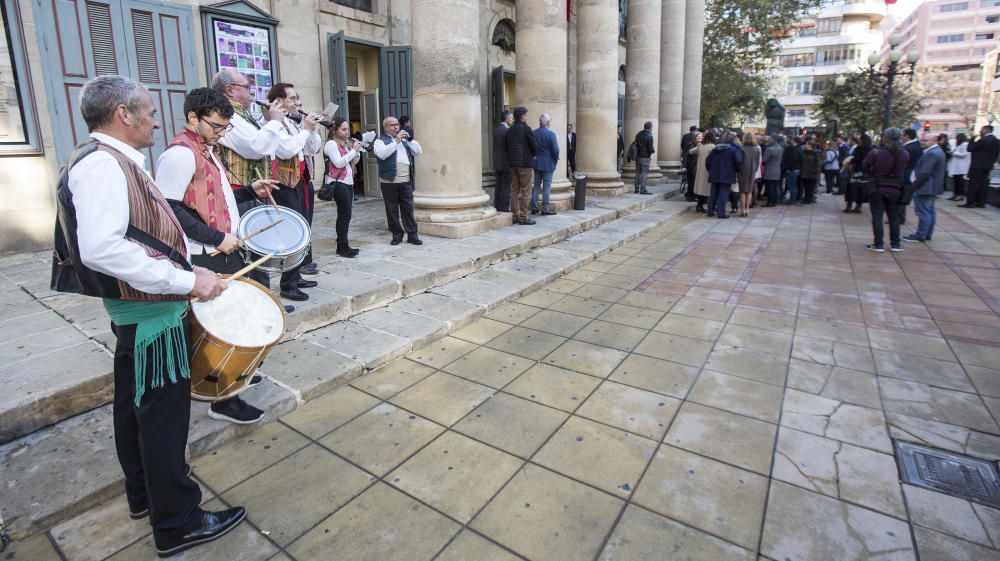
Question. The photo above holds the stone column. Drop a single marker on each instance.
(642, 79)
(597, 95)
(694, 37)
(668, 149)
(449, 200)
(541, 78)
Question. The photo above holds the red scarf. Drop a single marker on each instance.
(204, 194)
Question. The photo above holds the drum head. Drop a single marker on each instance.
(289, 236)
(244, 315)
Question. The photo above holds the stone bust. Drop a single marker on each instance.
(774, 111)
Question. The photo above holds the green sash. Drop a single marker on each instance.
(159, 328)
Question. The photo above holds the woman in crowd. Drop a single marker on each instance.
(887, 164)
(958, 166)
(749, 172)
(704, 144)
(812, 162)
(342, 154)
(772, 170)
(691, 166)
(831, 166)
(855, 195)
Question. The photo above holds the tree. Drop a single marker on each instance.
(857, 106)
(742, 42)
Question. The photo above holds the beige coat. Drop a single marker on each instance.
(701, 185)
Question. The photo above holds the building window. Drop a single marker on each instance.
(503, 36)
(798, 86)
(363, 5)
(807, 30)
(993, 19)
(989, 3)
(796, 113)
(18, 129)
(622, 18)
(984, 36)
(953, 38)
(828, 26)
(954, 7)
(799, 59)
(839, 54)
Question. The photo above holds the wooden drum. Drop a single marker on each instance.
(230, 336)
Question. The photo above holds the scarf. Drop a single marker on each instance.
(159, 328)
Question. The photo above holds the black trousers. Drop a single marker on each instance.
(959, 182)
(310, 201)
(343, 194)
(398, 199)
(150, 440)
(807, 190)
(294, 198)
(773, 188)
(979, 181)
(501, 193)
(889, 204)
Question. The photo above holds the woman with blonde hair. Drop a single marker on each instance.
(749, 171)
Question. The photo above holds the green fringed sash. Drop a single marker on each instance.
(159, 330)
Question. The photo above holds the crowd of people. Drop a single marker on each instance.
(723, 168)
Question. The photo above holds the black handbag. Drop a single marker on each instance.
(325, 192)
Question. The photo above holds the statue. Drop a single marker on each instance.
(774, 111)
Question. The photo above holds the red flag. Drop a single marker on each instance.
(890, 1)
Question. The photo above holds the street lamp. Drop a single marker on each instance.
(838, 86)
(893, 69)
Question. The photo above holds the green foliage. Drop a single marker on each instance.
(858, 105)
(742, 42)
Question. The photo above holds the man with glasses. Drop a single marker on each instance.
(395, 151)
(207, 206)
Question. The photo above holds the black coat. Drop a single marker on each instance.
(500, 148)
(791, 159)
(914, 150)
(686, 142)
(521, 146)
(984, 152)
(644, 144)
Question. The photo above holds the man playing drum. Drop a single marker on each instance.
(208, 208)
(117, 239)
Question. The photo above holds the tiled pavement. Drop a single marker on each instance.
(715, 390)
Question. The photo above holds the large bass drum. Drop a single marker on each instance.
(230, 336)
(288, 241)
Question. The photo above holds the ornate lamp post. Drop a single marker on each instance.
(890, 71)
(837, 91)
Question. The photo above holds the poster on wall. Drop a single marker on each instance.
(247, 50)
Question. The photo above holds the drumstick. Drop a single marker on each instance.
(244, 270)
(269, 195)
(250, 235)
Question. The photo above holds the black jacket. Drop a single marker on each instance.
(644, 144)
(521, 146)
(500, 147)
(686, 142)
(791, 159)
(984, 152)
(914, 150)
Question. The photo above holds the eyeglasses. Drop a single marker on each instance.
(217, 127)
(247, 86)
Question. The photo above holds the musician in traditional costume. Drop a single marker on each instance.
(303, 142)
(208, 208)
(117, 239)
(247, 148)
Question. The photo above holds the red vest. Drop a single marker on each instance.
(204, 194)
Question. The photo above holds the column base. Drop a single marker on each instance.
(655, 173)
(465, 229)
(604, 183)
(561, 196)
(671, 169)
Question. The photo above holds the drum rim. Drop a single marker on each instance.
(250, 244)
(248, 348)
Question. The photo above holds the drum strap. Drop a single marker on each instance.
(148, 240)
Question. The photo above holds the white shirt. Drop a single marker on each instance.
(333, 152)
(960, 160)
(383, 150)
(293, 141)
(174, 170)
(250, 142)
(100, 195)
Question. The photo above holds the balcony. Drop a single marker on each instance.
(874, 9)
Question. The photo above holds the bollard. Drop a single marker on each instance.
(580, 198)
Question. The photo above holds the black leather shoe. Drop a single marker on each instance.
(254, 381)
(212, 525)
(534, 211)
(396, 240)
(310, 269)
(414, 240)
(294, 294)
(348, 251)
(644, 192)
(289, 308)
(549, 213)
(527, 222)
(307, 284)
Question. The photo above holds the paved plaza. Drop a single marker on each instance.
(713, 390)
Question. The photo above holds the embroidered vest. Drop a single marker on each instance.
(204, 194)
(335, 173)
(288, 172)
(149, 212)
(240, 170)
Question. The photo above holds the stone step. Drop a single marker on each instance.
(46, 328)
(62, 470)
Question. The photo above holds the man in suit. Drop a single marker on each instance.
(928, 183)
(687, 140)
(501, 193)
(545, 164)
(570, 149)
(913, 149)
(984, 154)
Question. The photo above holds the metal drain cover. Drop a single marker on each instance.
(946, 472)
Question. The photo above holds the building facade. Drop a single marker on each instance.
(953, 36)
(372, 58)
(837, 40)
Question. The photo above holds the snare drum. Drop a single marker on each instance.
(230, 336)
(288, 241)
